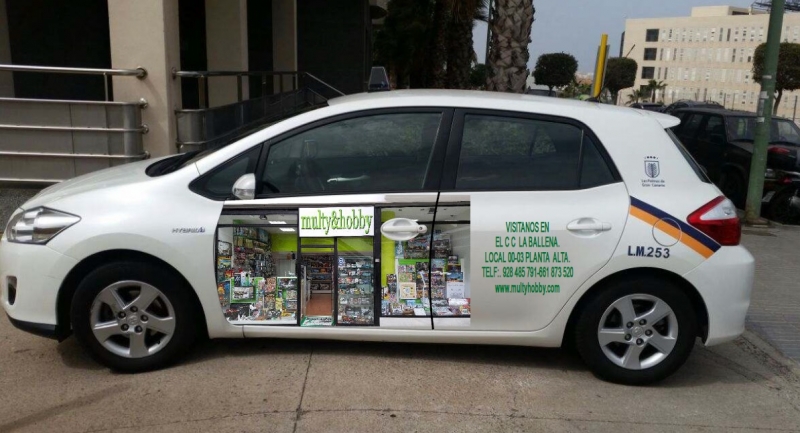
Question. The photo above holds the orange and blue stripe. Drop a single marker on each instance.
(675, 227)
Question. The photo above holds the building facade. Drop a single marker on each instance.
(330, 39)
(707, 56)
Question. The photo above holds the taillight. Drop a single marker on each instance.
(718, 220)
(778, 150)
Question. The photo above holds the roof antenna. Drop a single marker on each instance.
(378, 80)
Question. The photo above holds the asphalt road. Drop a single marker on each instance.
(327, 386)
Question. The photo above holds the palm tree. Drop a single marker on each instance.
(460, 54)
(450, 54)
(654, 87)
(511, 22)
(636, 96)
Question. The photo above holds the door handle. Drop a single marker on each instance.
(588, 225)
(402, 229)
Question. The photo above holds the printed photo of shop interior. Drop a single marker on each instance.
(268, 273)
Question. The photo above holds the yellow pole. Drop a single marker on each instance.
(600, 67)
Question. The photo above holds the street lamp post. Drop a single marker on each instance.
(758, 165)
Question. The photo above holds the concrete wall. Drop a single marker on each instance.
(145, 33)
(6, 78)
(226, 45)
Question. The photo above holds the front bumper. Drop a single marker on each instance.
(725, 282)
(36, 271)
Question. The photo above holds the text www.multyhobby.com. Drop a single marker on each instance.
(525, 288)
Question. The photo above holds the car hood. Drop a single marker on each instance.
(108, 178)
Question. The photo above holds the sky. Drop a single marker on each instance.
(575, 26)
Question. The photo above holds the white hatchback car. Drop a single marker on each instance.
(406, 216)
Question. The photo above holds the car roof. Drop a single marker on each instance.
(492, 100)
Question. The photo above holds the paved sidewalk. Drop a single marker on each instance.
(775, 307)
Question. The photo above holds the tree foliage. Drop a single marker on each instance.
(477, 76)
(555, 70)
(428, 43)
(620, 74)
(788, 76)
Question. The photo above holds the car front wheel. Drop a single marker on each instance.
(134, 316)
(636, 332)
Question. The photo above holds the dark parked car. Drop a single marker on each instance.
(722, 142)
(685, 103)
(649, 106)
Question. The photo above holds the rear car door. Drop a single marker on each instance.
(531, 206)
(711, 144)
(690, 125)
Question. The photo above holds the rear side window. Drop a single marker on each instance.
(692, 125)
(509, 153)
(692, 163)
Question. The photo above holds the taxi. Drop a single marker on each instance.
(407, 216)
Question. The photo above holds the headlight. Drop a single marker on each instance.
(37, 226)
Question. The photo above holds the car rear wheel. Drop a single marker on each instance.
(783, 207)
(636, 332)
(134, 316)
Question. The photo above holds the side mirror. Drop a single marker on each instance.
(245, 187)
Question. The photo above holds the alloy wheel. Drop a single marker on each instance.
(638, 331)
(132, 319)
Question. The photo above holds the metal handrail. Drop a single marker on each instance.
(202, 76)
(139, 72)
(198, 74)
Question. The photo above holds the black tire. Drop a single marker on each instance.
(186, 318)
(733, 186)
(780, 209)
(588, 344)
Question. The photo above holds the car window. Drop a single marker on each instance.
(594, 169)
(714, 130)
(378, 153)
(785, 132)
(506, 153)
(692, 123)
(218, 183)
(688, 157)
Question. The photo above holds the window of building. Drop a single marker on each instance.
(669, 52)
(661, 54)
(666, 71)
(502, 153)
(721, 32)
(650, 53)
(652, 35)
(658, 74)
(680, 55)
(648, 72)
(382, 152)
(729, 35)
(670, 35)
(733, 59)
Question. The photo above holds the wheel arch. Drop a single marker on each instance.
(696, 299)
(70, 284)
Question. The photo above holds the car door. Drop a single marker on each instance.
(531, 206)
(690, 126)
(382, 167)
(710, 144)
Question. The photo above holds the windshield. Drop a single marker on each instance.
(782, 131)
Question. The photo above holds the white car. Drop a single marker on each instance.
(405, 216)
